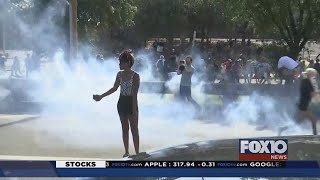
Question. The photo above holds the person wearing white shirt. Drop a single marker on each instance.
(186, 72)
(288, 69)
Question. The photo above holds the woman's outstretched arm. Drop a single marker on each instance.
(110, 91)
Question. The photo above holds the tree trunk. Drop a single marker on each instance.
(295, 48)
(294, 51)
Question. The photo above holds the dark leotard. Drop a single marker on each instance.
(125, 103)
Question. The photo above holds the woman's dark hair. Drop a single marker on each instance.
(127, 57)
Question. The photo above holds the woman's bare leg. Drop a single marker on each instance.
(134, 126)
(125, 132)
(313, 120)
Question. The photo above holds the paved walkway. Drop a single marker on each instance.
(7, 119)
(21, 137)
(44, 138)
(98, 136)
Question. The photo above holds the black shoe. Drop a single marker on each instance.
(126, 155)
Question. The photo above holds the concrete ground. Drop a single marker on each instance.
(18, 140)
(47, 138)
(98, 136)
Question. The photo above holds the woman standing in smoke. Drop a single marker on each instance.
(129, 82)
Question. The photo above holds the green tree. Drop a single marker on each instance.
(295, 22)
(103, 20)
(161, 18)
(208, 17)
(99, 22)
(179, 18)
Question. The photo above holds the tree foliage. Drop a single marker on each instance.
(295, 22)
(103, 21)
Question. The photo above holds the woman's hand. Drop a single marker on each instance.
(97, 97)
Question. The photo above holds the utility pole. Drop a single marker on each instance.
(3, 36)
(73, 11)
(194, 38)
(4, 28)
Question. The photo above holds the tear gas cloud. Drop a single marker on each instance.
(71, 115)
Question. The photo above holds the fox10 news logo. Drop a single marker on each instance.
(263, 149)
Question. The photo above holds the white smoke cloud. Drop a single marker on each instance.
(71, 116)
(4, 93)
(78, 120)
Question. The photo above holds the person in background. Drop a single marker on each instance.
(129, 82)
(317, 66)
(236, 71)
(216, 71)
(186, 71)
(99, 58)
(246, 71)
(266, 71)
(228, 70)
(288, 69)
(223, 73)
(29, 65)
(308, 89)
(172, 64)
(15, 68)
(163, 71)
(299, 60)
(2, 63)
(311, 64)
(155, 45)
(241, 56)
(259, 72)
(303, 66)
(162, 68)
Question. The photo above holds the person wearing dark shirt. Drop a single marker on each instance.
(15, 68)
(236, 71)
(216, 71)
(172, 61)
(317, 66)
(311, 64)
(162, 68)
(28, 64)
(228, 66)
(308, 89)
(2, 63)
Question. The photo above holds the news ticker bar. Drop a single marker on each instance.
(114, 169)
(186, 164)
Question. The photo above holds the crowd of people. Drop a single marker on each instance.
(31, 62)
(230, 70)
(129, 81)
(227, 62)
